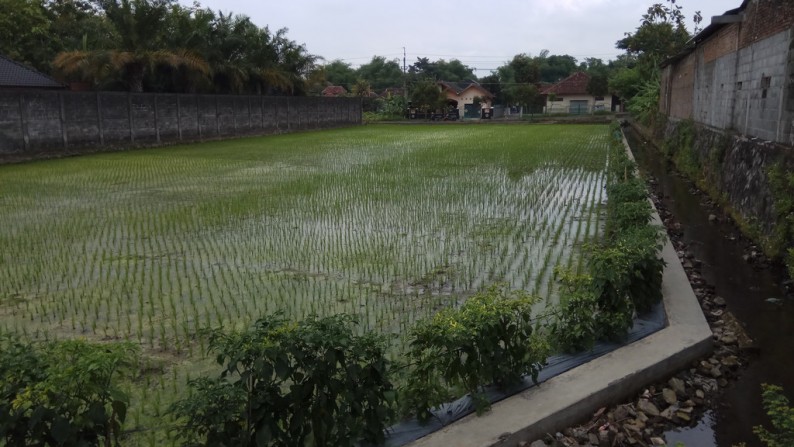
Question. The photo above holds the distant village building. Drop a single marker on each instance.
(333, 91)
(462, 95)
(570, 96)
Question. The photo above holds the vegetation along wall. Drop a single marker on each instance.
(48, 122)
(752, 179)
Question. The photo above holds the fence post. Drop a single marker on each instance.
(23, 123)
(198, 115)
(234, 114)
(62, 114)
(217, 118)
(156, 119)
(178, 117)
(130, 119)
(100, 128)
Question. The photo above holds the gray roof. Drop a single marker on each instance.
(458, 87)
(14, 74)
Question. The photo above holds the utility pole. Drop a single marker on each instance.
(405, 76)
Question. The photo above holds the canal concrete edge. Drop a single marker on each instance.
(573, 396)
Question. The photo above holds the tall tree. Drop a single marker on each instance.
(25, 33)
(426, 95)
(441, 70)
(381, 73)
(598, 85)
(661, 34)
(340, 73)
(139, 47)
(557, 67)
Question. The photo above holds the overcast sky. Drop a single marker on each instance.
(483, 35)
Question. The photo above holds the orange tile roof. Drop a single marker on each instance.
(575, 84)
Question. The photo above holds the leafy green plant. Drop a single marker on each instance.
(645, 104)
(781, 182)
(624, 271)
(490, 339)
(64, 393)
(576, 326)
(286, 384)
(782, 415)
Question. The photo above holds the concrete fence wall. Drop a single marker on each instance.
(36, 122)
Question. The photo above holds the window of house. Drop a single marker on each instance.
(766, 81)
(556, 98)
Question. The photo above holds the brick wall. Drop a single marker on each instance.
(682, 77)
(765, 18)
(36, 122)
(725, 41)
(741, 77)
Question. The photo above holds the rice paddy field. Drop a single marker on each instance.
(388, 223)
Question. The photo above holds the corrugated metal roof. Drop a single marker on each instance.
(14, 74)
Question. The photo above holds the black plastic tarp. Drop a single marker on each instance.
(411, 430)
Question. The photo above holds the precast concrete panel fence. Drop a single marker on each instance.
(51, 122)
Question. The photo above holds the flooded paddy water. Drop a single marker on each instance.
(386, 223)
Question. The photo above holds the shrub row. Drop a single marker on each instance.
(624, 270)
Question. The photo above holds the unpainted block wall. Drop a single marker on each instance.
(46, 122)
(760, 111)
(741, 77)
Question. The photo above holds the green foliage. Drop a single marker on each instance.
(645, 103)
(624, 272)
(662, 34)
(625, 82)
(489, 339)
(781, 181)
(381, 73)
(782, 415)
(680, 148)
(340, 73)
(440, 70)
(426, 95)
(286, 384)
(576, 327)
(64, 393)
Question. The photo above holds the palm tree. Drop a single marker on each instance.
(139, 49)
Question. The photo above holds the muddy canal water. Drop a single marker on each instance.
(755, 295)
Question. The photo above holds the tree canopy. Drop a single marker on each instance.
(153, 45)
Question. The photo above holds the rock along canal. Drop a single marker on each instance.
(755, 295)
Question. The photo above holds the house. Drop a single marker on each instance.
(15, 76)
(463, 95)
(737, 73)
(570, 96)
(333, 91)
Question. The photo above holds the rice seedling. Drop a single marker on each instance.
(389, 224)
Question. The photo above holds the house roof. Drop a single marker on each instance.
(334, 90)
(393, 91)
(575, 84)
(460, 87)
(13, 74)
